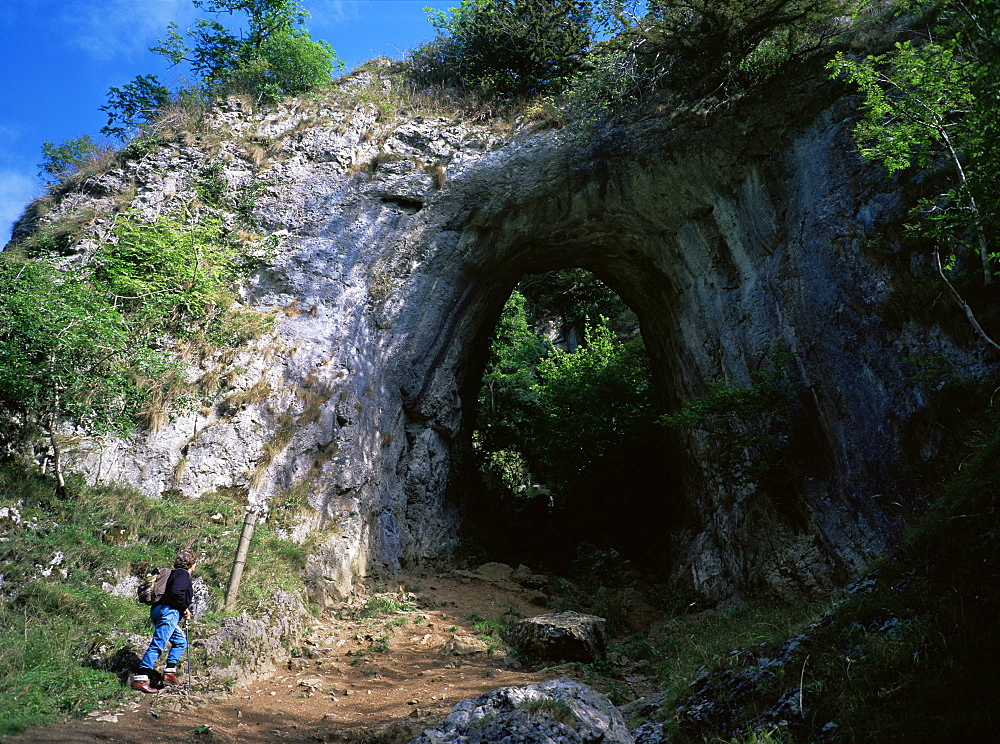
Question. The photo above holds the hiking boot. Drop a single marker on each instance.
(170, 678)
(142, 685)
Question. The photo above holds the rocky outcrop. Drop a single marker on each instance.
(562, 636)
(729, 234)
(243, 649)
(560, 711)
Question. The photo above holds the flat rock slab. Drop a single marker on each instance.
(562, 636)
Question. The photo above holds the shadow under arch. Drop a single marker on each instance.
(629, 500)
(719, 239)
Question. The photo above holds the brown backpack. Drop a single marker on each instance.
(150, 591)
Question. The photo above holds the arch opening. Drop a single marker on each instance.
(563, 454)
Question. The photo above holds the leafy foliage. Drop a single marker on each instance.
(134, 105)
(506, 48)
(912, 98)
(935, 104)
(81, 345)
(695, 48)
(506, 396)
(750, 426)
(724, 40)
(589, 402)
(58, 161)
(66, 352)
(545, 416)
(276, 56)
(171, 269)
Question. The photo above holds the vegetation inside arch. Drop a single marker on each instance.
(565, 420)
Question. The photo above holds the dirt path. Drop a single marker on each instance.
(374, 680)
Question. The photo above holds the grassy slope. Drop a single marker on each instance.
(51, 621)
(909, 655)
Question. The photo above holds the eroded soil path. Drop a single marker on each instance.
(364, 680)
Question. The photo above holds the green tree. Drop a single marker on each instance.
(506, 48)
(694, 48)
(59, 161)
(66, 354)
(545, 415)
(913, 99)
(506, 396)
(931, 101)
(275, 56)
(589, 402)
(133, 106)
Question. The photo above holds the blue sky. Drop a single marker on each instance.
(59, 57)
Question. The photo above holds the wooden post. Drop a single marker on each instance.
(249, 520)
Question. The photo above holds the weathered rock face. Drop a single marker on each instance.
(560, 711)
(567, 636)
(728, 236)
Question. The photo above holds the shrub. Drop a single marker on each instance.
(589, 402)
(690, 50)
(750, 425)
(171, 270)
(58, 161)
(506, 48)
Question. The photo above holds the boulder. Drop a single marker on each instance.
(562, 636)
(560, 710)
(528, 578)
(465, 645)
(637, 613)
(495, 571)
(651, 733)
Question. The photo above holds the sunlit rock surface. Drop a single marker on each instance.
(730, 234)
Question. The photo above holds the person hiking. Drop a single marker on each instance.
(166, 614)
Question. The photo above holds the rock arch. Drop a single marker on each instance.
(726, 234)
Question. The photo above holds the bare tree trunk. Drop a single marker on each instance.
(976, 218)
(236, 575)
(964, 305)
(53, 423)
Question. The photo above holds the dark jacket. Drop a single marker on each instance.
(179, 593)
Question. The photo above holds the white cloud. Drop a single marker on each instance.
(331, 11)
(106, 29)
(17, 188)
(8, 136)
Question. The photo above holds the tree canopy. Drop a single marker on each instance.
(273, 57)
(507, 48)
(936, 105)
(66, 353)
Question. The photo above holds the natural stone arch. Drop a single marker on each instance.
(678, 236)
(725, 234)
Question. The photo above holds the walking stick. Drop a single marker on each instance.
(187, 632)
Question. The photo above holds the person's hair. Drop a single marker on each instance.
(185, 559)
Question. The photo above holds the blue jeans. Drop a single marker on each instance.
(165, 630)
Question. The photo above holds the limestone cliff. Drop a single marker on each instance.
(728, 232)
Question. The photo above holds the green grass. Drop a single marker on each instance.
(688, 642)
(44, 635)
(382, 606)
(913, 658)
(50, 625)
(554, 708)
(493, 631)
